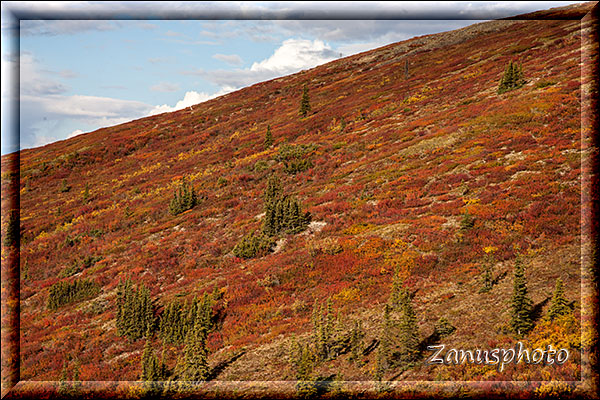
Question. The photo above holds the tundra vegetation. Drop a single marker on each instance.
(326, 239)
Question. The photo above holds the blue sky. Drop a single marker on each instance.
(77, 75)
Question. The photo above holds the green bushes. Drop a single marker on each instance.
(183, 199)
(62, 293)
(283, 214)
(295, 157)
(255, 244)
(12, 233)
(512, 78)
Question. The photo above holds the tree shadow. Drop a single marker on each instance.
(497, 279)
(220, 367)
(430, 340)
(372, 346)
(536, 311)
(324, 385)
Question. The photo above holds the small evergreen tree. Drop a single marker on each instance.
(184, 198)
(467, 222)
(559, 305)
(488, 279)
(512, 78)
(268, 138)
(151, 368)
(255, 244)
(305, 102)
(356, 341)
(408, 338)
(380, 363)
(521, 305)
(400, 338)
(62, 293)
(135, 311)
(12, 234)
(194, 365)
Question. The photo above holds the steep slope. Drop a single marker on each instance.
(419, 166)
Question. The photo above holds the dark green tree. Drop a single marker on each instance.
(408, 338)
(255, 244)
(356, 341)
(268, 138)
(62, 293)
(521, 305)
(400, 333)
(194, 365)
(559, 305)
(184, 198)
(12, 234)
(151, 367)
(135, 311)
(512, 78)
(467, 221)
(488, 279)
(305, 102)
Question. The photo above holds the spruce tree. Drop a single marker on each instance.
(305, 102)
(400, 339)
(63, 385)
(135, 311)
(521, 305)
(306, 364)
(268, 138)
(409, 331)
(381, 363)
(184, 198)
(150, 364)
(488, 279)
(559, 305)
(13, 230)
(194, 365)
(512, 78)
(356, 341)
(385, 342)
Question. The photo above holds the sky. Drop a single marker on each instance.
(74, 67)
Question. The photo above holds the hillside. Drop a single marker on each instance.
(410, 163)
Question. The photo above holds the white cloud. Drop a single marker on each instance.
(47, 118)
(292, 56)
(232, 59)
(33, 80)
(295, 55)
(75, 133)
(191, 98)
(80, 106)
